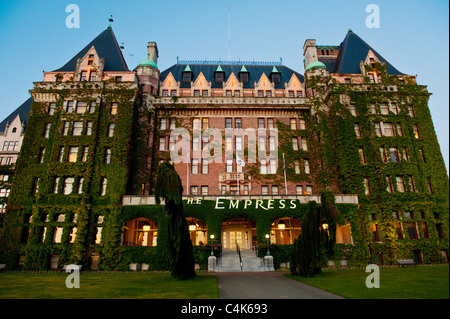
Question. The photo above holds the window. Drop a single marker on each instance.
(299, 93)
(80, 185)
(422, 154)
(393, 108)
(389, 184)
(388, 129)
(47, 130)
(353, 110)
(293, 124)
(276, 78)
(367, 189)
(301, 124)
(229, 166)
(378, 129)
(111, 130)
(61, 154)
(194, 169)
(196, 93)
(306, 163)
(205, 166)
(264, 190)
(262, 143)
(41, 155)
(263, 166)
(85, 154)
(274, 190)
(384, 109)
(394, 155)
(304, 143)
(371, 78)
(228, 123)
(273, 166)
(55, 185)
(347, 81)
(68, 184)
(261, 123)
(412, 184)
(113, 109)
(358, 131)
(81, 107)
(243, 77)
(297, 167)
(92, 75)
(411, 111)
(295, 143)
(73, 153)
(237, 123)
(165, 93)
(69, 106)
(205, 123)
(219, 76)
(299, 189)
(260, 93)
(51, 108)
(400, 184)
(65, 128)
(362, 156)
(88, 128)
(92, 107)
(107, 156)
(309, 189)
(412, 231)
(77, 128)
(204, 190)
(187, 76)
(270, 123)
(83, 76)
(194, 190)
(272, 143)
(223, 189)
(103, 185)
(196, 143)
(162, 143)
(204, 93)
(229, 93)
(228, 143)
(416, 131)
(238, 143)
(291, 94)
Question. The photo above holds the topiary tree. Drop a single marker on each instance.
(318, 238)
(169, 188)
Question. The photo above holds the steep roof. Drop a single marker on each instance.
(353, 50)
(254, 71)
(107, 47)
(22, 111)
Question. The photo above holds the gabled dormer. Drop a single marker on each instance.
(200, 87)
(89, 67)
(244, 75)
(294, 88)
(170, 86)
(219, 75)
(233, 87)
(264, 87)
(275, 75)
(369, 68)
(187, 75)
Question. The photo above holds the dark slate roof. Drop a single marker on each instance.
(353, 50)
(255, 72)
(22, 110)
(107, 47)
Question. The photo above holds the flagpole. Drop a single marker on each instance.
(284, 169)
(187, 177)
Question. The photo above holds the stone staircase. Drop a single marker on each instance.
(229, 262)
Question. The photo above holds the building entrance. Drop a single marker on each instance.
(238, 231)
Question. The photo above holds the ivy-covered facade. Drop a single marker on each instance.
(83, 186)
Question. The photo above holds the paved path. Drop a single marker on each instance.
(266, 285)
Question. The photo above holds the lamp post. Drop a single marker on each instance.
(212, 244)
(267, 238)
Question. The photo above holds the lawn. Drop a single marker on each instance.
(422, 282)
(97, 285)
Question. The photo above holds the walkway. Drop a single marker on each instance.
(266, 285)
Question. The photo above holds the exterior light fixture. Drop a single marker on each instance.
(281, 225)
(192, 226)
(146, 226)
(325, 226)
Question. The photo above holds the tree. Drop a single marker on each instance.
(181, 256)
(318, 238)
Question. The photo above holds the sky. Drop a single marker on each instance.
(412, 35)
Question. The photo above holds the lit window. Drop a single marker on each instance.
(301, 123)
(416, 131)
(81, 107)
(293, 124)
(85, 154)
(361, 155)
(111, 130)
(114, 106)
(196, 124)
(400, 184)
(73, 153)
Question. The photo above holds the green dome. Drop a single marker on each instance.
(315, 64)
(147, 62)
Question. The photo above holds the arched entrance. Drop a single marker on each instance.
(238, 231)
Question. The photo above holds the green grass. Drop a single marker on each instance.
(106, 286)
(422, 282)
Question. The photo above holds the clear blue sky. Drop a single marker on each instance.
(413, 36)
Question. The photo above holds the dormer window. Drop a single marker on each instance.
(276, 77)
(84, 75)
(243, 77)
(219, 76)
(187, 76)
(90, 59)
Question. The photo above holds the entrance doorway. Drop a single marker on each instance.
(238, 231)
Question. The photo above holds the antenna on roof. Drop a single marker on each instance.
(229, 36)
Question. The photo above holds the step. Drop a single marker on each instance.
(229, 262)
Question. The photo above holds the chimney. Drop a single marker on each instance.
(152, 52)
(309, 52)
